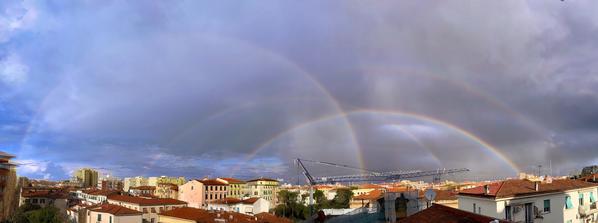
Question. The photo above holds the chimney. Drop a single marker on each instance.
(486, 189)
(536, 185)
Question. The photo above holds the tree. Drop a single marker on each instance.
(289, 206)
(29, 213)
(342, 198)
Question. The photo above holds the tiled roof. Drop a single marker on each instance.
(143, 188)
(212, 182)
(4, 154)
(590, 178)
(266, 217)
(204, 216)
(445, 195)
(54, 194)
(514, 188)
(372, 195)
(231, 200)
(262, 179)
(441, 213)
(369, 186)
(145, 201)
(100, 192)
(232, 180)
(115, 210)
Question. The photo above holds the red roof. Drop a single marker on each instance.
(266, 217)
(146, 201)
(53, 194)
(212, 182)
(232, 180)
(143, 188)
(204, 216)
(231, 200)
(100, 192)
(441, 213)
(115, 210)
(514, 188)
(372, 195)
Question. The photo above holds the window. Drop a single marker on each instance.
(547, 205)
(110, 219)
(35, 200)
(42, 201)
(473, 207)
(580, 199)
(508, 214)
(99, 217)
(592, 199)
(568, 202)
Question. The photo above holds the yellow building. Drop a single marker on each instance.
(264, 188)
(87, 177)
(236, 188)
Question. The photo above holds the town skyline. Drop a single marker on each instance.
(226, 89)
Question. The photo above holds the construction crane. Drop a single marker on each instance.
(367, 175)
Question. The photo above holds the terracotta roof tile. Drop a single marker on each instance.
(143, 188)
(263, 179)
(441, 213)
(212, 182)
(232, 180)
(115, 210)
(514, 188)
(204, 216)
(372, 195)
(146, 201)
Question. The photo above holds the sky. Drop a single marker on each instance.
(216, 88)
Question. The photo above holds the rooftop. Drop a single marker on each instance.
(145, 201)
(232, 180)
(515, 188)
(212, 182)
(54, 194)
(142, 188)
(441, 213)
(115, 210)
(204, 216)
(263, 179)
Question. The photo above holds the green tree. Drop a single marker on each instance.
(289, 207)
(49, 214)
(342, 198)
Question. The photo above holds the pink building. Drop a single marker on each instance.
(193, 192)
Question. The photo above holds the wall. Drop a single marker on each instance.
(193, 193)
(166, 219)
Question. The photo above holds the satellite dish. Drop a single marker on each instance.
(430, 194)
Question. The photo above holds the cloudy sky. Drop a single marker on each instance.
(198, 88)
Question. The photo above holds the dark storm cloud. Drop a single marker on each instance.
(189, 88)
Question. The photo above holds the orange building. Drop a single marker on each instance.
(8, 186)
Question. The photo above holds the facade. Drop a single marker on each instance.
(87, 177)
(150, 207)
(249, 206)
(109, 213)
(522, 200)
(151, 181)
(236, 188)
(142, 191)
(45, 197)
(8, 186)
(134, 182)
(264, 188)
(192, 192)
(167, 190)
(214, 190)
(110, 183)
(93, 196)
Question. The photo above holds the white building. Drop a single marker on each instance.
(528, 201)
(250, 206)
(108, 213)
(90, 197)
(150, 207)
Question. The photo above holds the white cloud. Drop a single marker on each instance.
(12, 70)
(16, 17)
(30, 166)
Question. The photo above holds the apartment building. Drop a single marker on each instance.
(45, 197)
(146, 191)
(192, 192)
(522, 200)
(93, 196)
(236, 188)
(8, 186)
(167, 190)
(214, 190)
(250, 206)
(87, 177)
(109, 213)
(150, 207)
(264, 188)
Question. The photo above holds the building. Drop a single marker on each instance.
(236, 188)
(150, 207)
(523, 200)
(109, 213)
(45, 197)
(250, 206)
(110, 183)
(151, 181)
(146, 191)
(87, 177)
(8, 186)
(195, 215)
(264, 188)
(193, 192)
(93, 196)
(214, 190)
(446, 197)
(441, 213)
(167, 190)
(367, 200)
